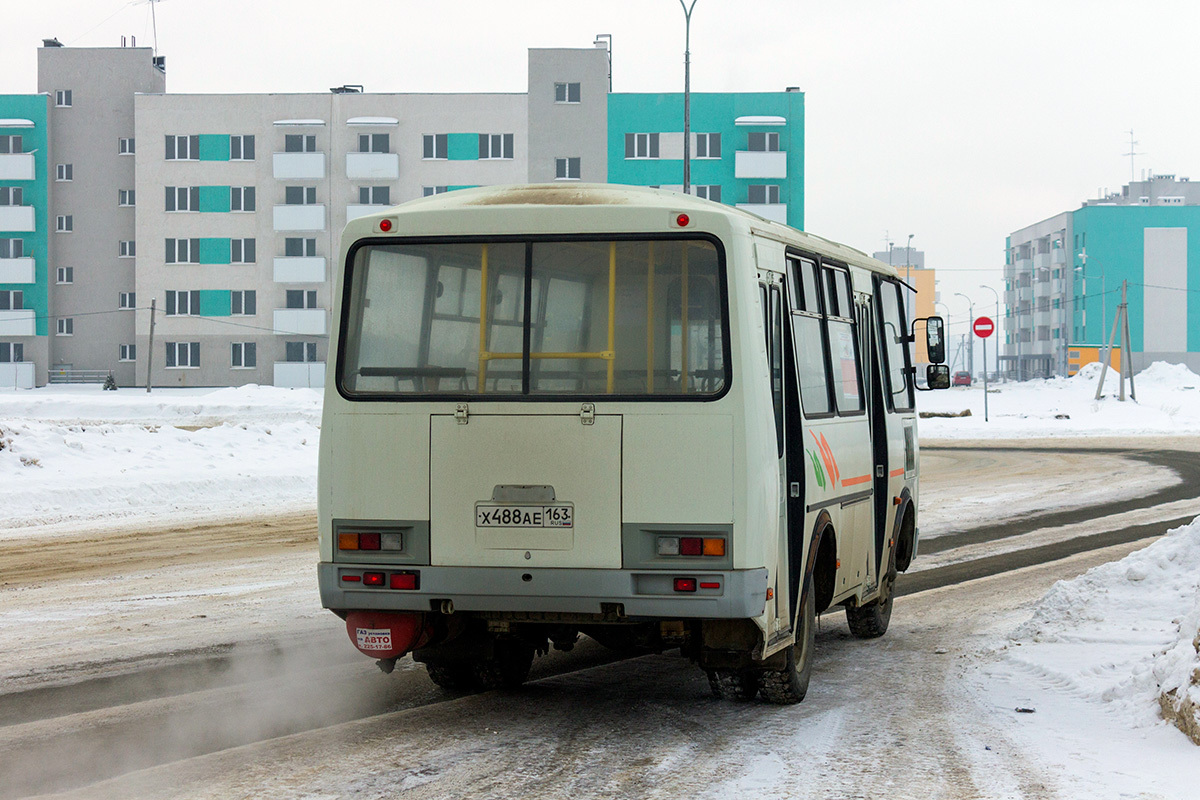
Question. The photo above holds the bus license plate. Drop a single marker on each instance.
(559, 516)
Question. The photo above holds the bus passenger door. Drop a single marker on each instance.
(876, 410)
(774, 318)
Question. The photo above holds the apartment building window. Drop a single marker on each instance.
(66, 274)
(12, 352)
(243, 303)
(708, 145)
(183, 355)
(712, 192)
(242, 251)
(241, 198)
(300, 352)
(437, 145)
(125, 197)
(126, 248)
(127, 300)
(763, 195)
(183, 304)
(374, 143)
(241, 147)
(183, 148)
(641, 145)
(300, 195)
(183, 198)
(125, 146)
(66, 326)
(10, 195)
(62, 98)
(428, 191)
(64, 224)
(299, 143)
(12, 300)
(495, 145)
(183, 251)
(12, 248)
(374, 195)
(764, 142)
(566, 92)
(566, 169)
(64, 172)
(11, 144)
(127, 352)
(296, 246)
(301, 298)
(243, 355)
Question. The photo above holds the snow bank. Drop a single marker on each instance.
(1168, 404)
(1115, 634)
(78, 455)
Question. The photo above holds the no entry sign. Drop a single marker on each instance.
(983, 327)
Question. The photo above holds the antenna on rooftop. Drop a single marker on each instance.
(1131, 154)
(153, 19)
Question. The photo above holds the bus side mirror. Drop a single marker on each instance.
(937, 376)
(935, 340)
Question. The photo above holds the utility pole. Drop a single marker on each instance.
(1131, 154)
(687, 96)
(150, 349)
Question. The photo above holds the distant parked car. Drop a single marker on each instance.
(961, 379)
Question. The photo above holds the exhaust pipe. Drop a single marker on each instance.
(388, 634)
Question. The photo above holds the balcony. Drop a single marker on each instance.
(1023, 265)
(300, 321)
(299, 375)
(373, 166)
(18, 323)
(16, 167)
(17, 270)
(300, 218)
(1058, 256)
(289, 166)
(16, 376)
(300, 269)
(760, 164)
(17, 219)
(772, 211)
(1041, 261)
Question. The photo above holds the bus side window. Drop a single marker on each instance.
(843, 343)
(893, 332)
(808, 337)
(775, 354)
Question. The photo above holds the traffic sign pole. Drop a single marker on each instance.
(983, 327)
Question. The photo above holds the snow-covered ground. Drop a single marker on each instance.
(1091, 661)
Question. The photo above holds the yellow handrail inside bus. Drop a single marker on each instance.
(483, 295)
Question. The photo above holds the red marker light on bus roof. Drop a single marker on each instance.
(682, 220)
(385, 225)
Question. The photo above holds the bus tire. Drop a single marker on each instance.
(507, 668)
(787, 686)
(737, 685)
(453, 677)
(870, 621)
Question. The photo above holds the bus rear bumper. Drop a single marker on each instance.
(727, 594)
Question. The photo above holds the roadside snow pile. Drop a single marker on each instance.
(1123, 634)
(1168, 403)
(81, 456)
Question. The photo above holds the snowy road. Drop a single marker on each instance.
(90, 691)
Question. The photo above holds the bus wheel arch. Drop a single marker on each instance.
(823, 567)
(905, 535)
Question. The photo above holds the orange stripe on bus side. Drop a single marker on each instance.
(896, 473)
(856, 481)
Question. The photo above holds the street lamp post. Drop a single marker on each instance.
(687, 95)
(971, 351)
(993, 291)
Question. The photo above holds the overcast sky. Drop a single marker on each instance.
(952, 120)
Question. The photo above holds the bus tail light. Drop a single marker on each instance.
(368, 541)
(714, 547)
(668, 545)
(347, 541)
(691, 546)
(371, 540)
(685, 584)
(405, 580)
(373, 579)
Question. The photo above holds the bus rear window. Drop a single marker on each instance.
(642, 318)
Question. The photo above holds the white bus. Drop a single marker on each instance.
(627, 413)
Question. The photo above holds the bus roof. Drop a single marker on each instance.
(607, 194)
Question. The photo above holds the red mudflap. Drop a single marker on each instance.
(387, 634)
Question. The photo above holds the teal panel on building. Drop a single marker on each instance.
(466, 186)
(214, 251)
(711, 113)
(462, 146)
(1115, 239)
(214, 147)
(34, 244)
(214, 198)
(215, 303)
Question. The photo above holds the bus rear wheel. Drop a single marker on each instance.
(506, 667)
(788, 685)
(739, 685)
(870, 621)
